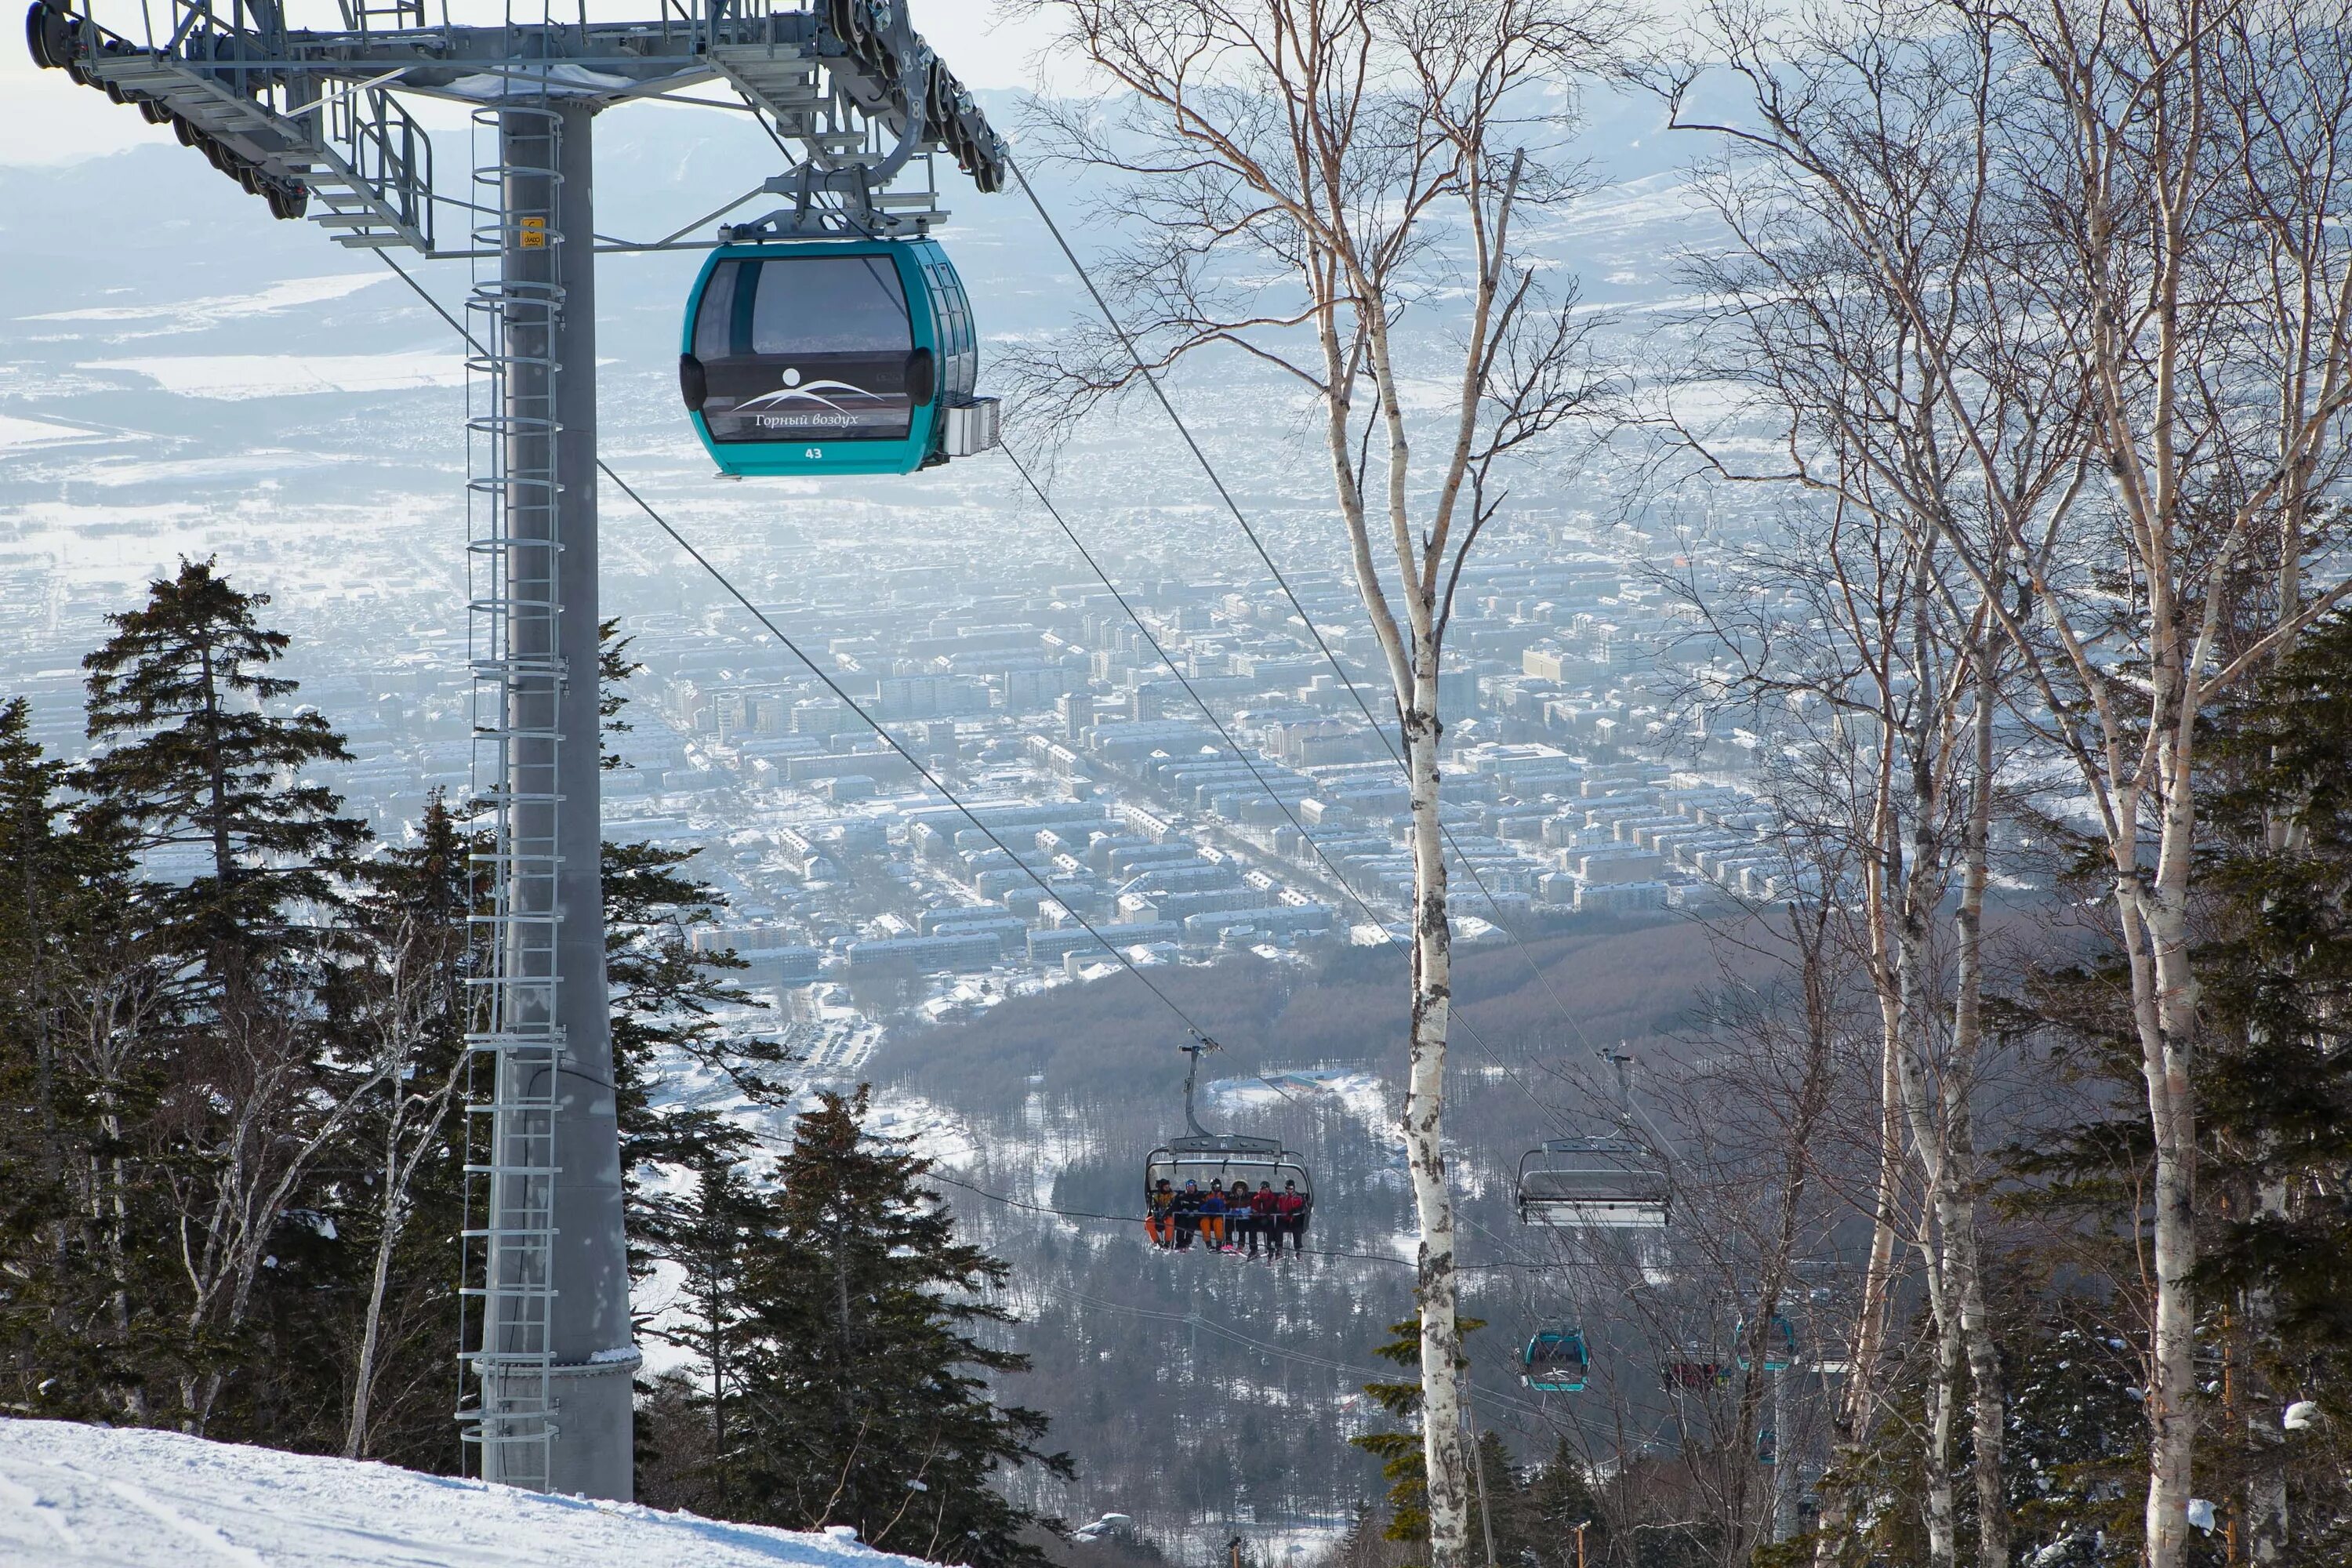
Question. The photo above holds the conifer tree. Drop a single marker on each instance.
(195, 761)
(2277, 1099)
(711, 1225)
(2273, 945)
(79, 984)
(1546, 1515)
(664, 993)
(36, 870)
(614, 668)
(202, 776)
(87, 1045)
(867, 1400)
(1402, 1455)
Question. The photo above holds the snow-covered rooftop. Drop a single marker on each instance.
(91, 1497)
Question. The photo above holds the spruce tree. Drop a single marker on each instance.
(2275, 1153)
(709, 1224)
(89, 1008)
(689, 1201)
(614, 668)
(195, 764)
(1546, 1512)
(866, 1398)
(80, 988)
(202, 774)
(37, 869)
(1402, 1456)
(1533, 1516)
(664, 994)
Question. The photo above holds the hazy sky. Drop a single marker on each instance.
(45, 118)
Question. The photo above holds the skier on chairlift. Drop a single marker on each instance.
(1262, 1219)
(1187, 1214)
(1212, 1218)
(1160, 1218)
(1290, 1218)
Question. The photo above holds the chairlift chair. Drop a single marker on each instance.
(1200, 1155)
(1690, 1367)
(1595, 1183)
(1225, 1157)
(1555, 1361)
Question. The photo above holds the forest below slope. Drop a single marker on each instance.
(1206, 1395)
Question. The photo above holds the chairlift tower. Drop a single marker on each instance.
(313, 122)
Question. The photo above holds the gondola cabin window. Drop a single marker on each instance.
(818, 347)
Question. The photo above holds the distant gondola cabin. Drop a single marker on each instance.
(1779, 1344)
(1555, 1361)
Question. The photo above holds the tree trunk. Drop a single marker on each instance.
(110, 1213)
(1432, 995)
(2161, 917)
(1941, 1514)
(389, 1225)
(1854, 1421)
(400, 1175)
(2267, 1505)
(1921, 886)
(1987, 1402)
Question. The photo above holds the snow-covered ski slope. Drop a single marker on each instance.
(86, 1497)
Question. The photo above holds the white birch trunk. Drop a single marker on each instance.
(1988, 1399)
(1854, 1421)
(399, 1177)
(1920, 891)
(1940, 1515)
(1443, 1448)
(2167, 1052)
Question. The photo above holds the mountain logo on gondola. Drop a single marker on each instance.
(797, 391)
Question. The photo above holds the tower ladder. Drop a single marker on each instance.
(515, 1040)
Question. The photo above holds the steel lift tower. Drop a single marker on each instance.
(313, 121)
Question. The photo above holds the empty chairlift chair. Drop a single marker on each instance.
(1594, 1184)
(1556, 1361)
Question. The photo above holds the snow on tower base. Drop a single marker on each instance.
(94, 1497)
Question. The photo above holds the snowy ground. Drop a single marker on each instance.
(86, 1497)
(1365, 1095)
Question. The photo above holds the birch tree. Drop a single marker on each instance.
(1869, 702)
(2157, 189)
(1857, 277)
(2174, 146)
(1326, 189)
(408, 1027)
